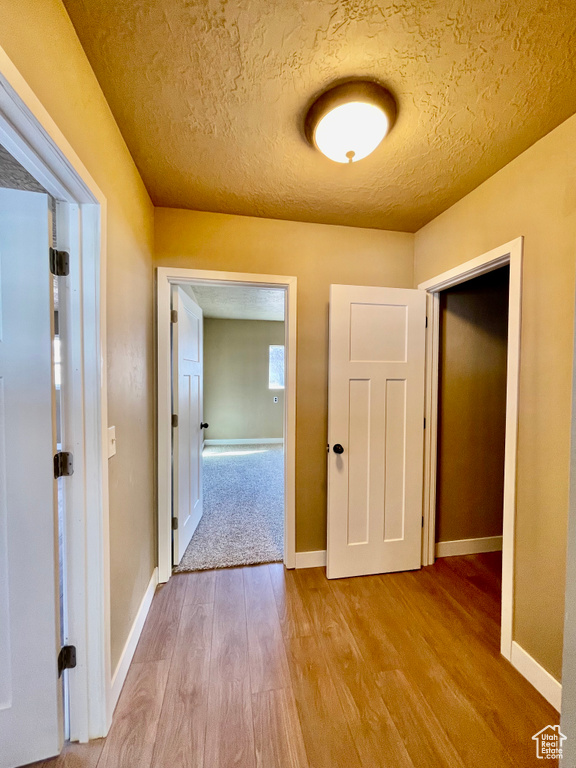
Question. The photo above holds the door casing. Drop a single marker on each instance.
(165, 278)
(31, 136)
(509, 253)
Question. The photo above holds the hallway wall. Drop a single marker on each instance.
(41, 41)
(237, 401)
(533, 196)
(318, 255)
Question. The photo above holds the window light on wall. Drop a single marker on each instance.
(276, 366)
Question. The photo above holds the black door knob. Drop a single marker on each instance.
(204, 425)
(338, 448)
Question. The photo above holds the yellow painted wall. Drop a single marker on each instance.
(237, 401)
(42, 43)
(533, 196)
(317, 254)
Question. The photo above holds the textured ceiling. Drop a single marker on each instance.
(210, 97)
(237, 302)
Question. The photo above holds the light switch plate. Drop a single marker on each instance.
(111, 441)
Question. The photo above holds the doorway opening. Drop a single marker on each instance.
(471, 437)
(44, 310)
(226, 419)
(228, 448)
(440, 435)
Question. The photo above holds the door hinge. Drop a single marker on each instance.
(424, 422)
(426, 322)
(66, 658)
(174, 316)
(59, 262)
(174, 419)
(63, 464)
(422, 521)
(174, 523)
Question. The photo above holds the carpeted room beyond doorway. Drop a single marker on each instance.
(243, 520)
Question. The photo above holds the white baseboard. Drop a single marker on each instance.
(537, 676)
(245, 441)
(469, 546)
(315, 559)
(119, 675)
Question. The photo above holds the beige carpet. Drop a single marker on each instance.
(243, 520)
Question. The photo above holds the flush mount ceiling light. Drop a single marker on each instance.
(349, 121)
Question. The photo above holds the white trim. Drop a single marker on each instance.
(536, 675)
(33, 138)
(509, 253)
(313, 559)
(119, 676)
(468, 546)
(246, 441)
(431, 431)
(165, 276)
(488, 262)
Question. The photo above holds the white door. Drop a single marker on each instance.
(187, 381)
(30, 727)
(375, 429)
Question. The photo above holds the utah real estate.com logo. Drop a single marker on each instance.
(549, 743)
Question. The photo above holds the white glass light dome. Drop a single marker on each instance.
(351, 131)
(348, 122)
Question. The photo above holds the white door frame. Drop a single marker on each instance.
(509, 253)
(33, 138)
(165, 278)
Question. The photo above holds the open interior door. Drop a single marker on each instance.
(30, 702)
(375, 429)
(187, 384)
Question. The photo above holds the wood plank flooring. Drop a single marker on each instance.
(260, 667)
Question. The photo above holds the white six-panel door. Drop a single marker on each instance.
(376, 416)
(187, 389)
(30, 726)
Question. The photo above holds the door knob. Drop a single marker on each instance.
(338, 448)
(204, 425)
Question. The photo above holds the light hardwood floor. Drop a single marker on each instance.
(260, 667)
